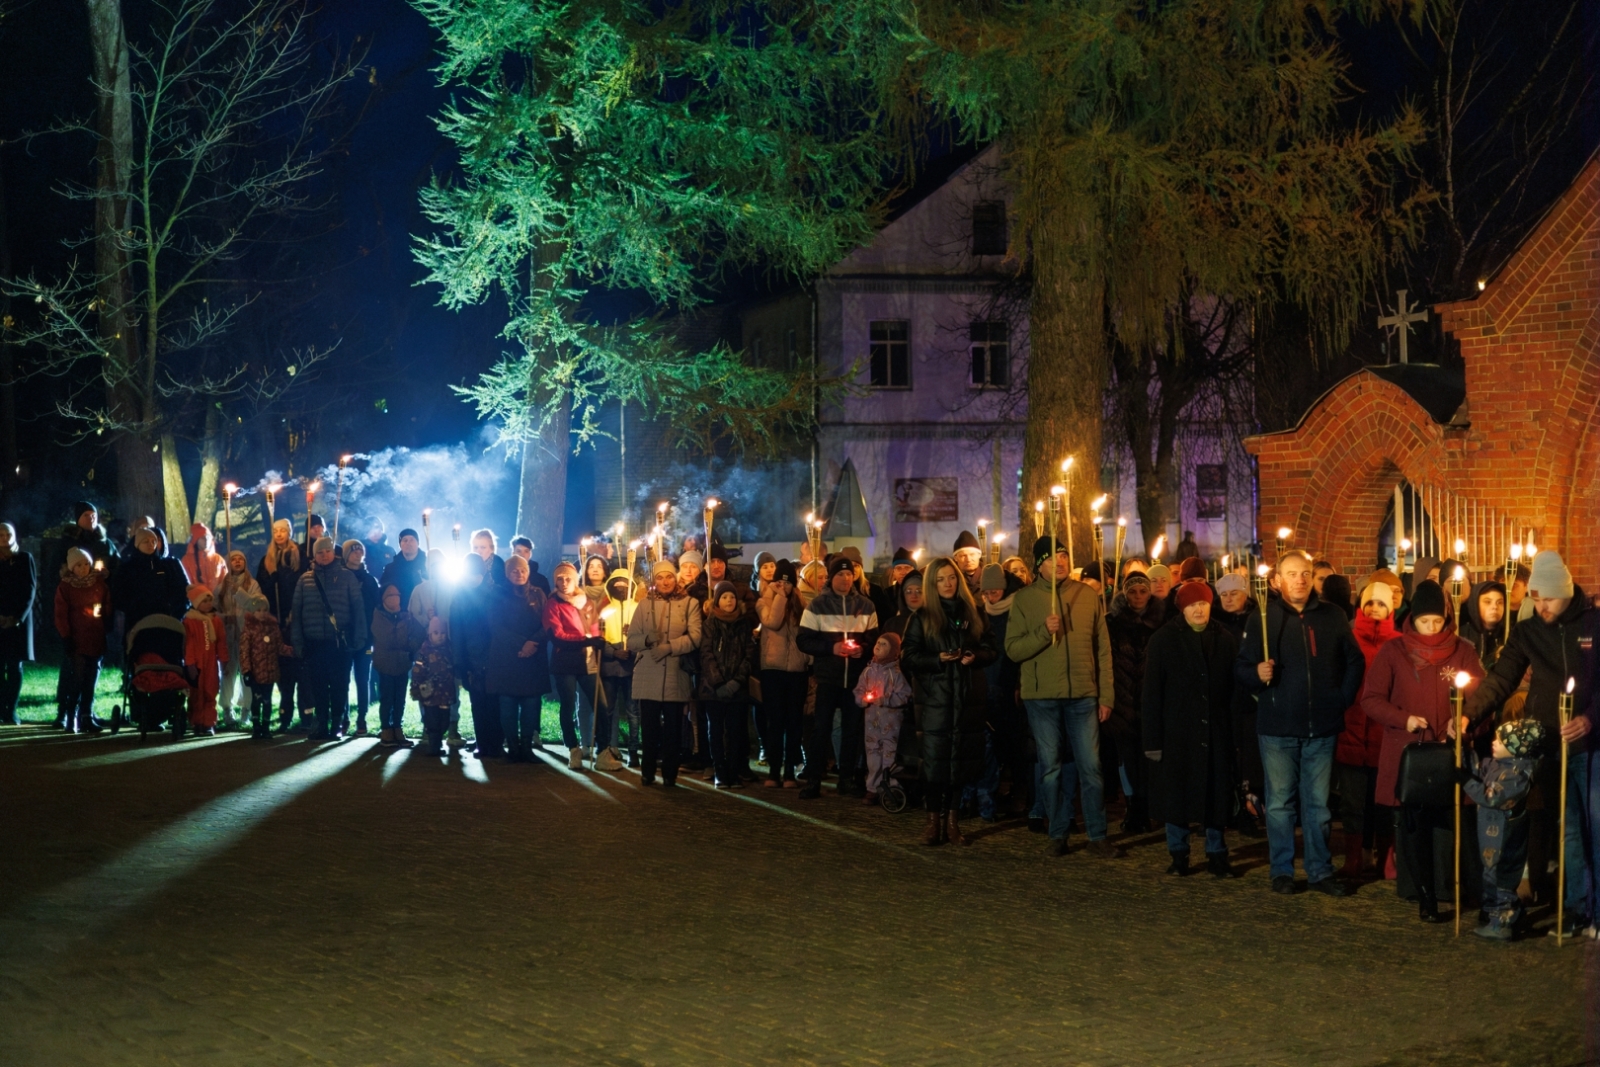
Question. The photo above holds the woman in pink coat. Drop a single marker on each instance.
(1361, 745)
(1408, 690)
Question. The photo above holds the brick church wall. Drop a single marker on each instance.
(1530, 443)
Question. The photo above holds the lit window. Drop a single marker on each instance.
(891, 354)
(989, 228)
(991, 355)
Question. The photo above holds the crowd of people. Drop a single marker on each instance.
(1024, 688)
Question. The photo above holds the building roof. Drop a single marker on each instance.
(1440, 390)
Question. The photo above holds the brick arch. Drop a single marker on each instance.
(1569, 452)
(1332, 478)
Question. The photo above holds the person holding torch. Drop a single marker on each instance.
(1557, 642)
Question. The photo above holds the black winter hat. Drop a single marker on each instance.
(81, 506)
(316, 520)
(841, 563)
(1091, 571)
(903, 555)
(718, 551)
(966, 540)
(785, 573)
(1041, 548)
(1427, 599)
(408, 532)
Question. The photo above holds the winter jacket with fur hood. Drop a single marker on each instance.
(664, 630)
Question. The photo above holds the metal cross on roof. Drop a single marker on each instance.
(1401, 320)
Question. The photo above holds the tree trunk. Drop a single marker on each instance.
(1066, 384)
(205, 498)
(543, 502)
(175, 496)
(138, 466)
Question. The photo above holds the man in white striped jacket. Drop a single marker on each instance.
(837, 631)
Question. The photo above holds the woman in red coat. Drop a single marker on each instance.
(205, 650)
(83, 611)
(1360, 743)
(1408, 690)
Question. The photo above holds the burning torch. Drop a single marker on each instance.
(227, 511)
(1563, 716)
(1258, 585)
(338, 496)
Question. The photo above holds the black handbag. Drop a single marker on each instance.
(1427, 775)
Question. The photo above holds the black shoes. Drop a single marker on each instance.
(1104, 850)
(1428, 906)
(1057, 846)
(1283, 884)
(1179, 865)
(1330, 886)
(1037, 826)
(1217, 863)
(812, 791)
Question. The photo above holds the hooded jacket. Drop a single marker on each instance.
(827, 620)
(396, 639)
(1319, 669)
(82, 629)
(1487, 640)
(201, 561)
(727, 648)
(780, 649)
(951, 697)
(664, 630)
(406, 574)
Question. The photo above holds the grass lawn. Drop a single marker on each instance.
(38, 703)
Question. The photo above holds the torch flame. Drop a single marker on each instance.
(916, 555)
(1516, 552)
(275, 488)
(1462, 679)
(1571, 684)
(1038, 505)
(999, 537)
(1058, 490)
(661, 508)
(1460, 547)
(1284, 533)
(1225, 562)
(1122, 521)
(345, 459)
(712, 502)
(1098, 502)
(230, 489)
(1066, 464)
(313, 487)
(1263, 570)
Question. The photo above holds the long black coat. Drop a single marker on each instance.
(1186, 716)
(516, 616)
(950, 698)
(19, 582)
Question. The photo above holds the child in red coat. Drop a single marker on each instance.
(205, 650)
(83, 610)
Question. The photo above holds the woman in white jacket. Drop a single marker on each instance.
(665, 628)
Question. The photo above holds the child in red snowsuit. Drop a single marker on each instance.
(205, 650)
(83, 611)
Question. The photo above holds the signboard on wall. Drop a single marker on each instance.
(1211, 491)
(926, 500)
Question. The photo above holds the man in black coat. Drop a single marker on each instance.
(19, 583)
(407, 570)
(150, 582)
(1302, 691)
(1131, 621)
(87, 533)
(1187, 729)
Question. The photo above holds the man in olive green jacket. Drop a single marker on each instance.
(1064, 650)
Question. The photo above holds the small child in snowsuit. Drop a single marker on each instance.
(259, 642)
(83, 612)
(205, 650)
(1500, 786)
(884, 692)
(397, 637)
(433, 685)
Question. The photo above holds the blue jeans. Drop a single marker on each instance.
(1178, 839)
(1582, 844)
(575, 693)
(1074, 724)
(1303, 767)
(519, 722)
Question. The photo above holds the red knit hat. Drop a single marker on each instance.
(1193, 593)
(1192, 568)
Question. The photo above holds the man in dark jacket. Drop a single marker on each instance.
(377, 545)
(1558, 642)
(968, 554)
(469, 643)
(326, 627)
(19, 584)
(150, 583)
(1130, 623)
(837, 631)
(407, 570)
(87, 533)
(1302, 691)
(886, 597)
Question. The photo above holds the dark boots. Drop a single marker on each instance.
(1217, 863)
(953, 832)
(1355, 858)
(1180, 863)
(931, 832)
(1427, 904)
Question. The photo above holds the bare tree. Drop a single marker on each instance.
(206, 144)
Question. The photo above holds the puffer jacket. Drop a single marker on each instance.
(1361, 740)
(572, 630)
(664, 630)
(951, 699)
(1130, 636)
(726, 652)
(1556, 651)
(310, 622)
(779, 650)
(615, 659)
(827, 620)
(396, 637)
(1318, 669)
(1080, 663)
(149, 585)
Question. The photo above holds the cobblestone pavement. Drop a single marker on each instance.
(236, 902)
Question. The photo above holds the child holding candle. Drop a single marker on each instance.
(205, 650)
(884, 693)
(1499, 786)
(83, 611)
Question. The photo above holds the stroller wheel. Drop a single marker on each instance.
(893, 799)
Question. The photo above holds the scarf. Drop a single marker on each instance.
(656, 594)
(726, 616)
(1429, 650)
(80, 583)
(999, 607)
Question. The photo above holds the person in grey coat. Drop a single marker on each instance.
(665, 628)
(327, 627)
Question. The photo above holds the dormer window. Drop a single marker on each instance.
(989, 228)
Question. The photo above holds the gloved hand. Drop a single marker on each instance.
(596, 642)
(727, 690)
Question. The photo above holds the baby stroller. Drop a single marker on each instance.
(155, 682)
(902, 787)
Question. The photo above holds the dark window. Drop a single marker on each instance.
(991, 355)
(891, 354)
(989, 228)
(1211, 491)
